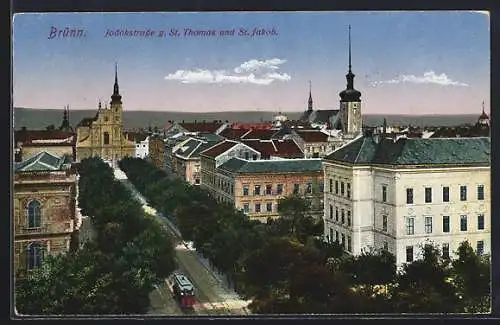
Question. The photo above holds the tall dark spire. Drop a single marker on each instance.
(65, 126)
(310, 102)
(350, 94)
(116, 97)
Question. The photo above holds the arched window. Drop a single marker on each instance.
(106, 138)
(34, 214)
(34, 256)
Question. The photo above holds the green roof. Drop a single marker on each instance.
(415, 151)
(43, 161)
(241, 166)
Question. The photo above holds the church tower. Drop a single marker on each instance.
(310, 101)
(350, 103)
(65, 125)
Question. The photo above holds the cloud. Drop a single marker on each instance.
(429, 77)
(253, 72)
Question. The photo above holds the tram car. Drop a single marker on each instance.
(183, 290)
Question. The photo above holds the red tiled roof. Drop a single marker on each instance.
(219, 148)
(259, 135)
(266, 148)
(312, 136)
(202, 126)
(27, 136)
(288, 149)
(252, 126)
(233, 134)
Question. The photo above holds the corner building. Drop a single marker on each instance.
(399, 195)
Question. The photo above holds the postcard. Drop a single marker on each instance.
(239, 164)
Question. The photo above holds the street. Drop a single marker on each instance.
(212, 295)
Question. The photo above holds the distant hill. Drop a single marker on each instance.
(41, 118)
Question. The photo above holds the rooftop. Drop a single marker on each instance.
(312, 135)
(43, 161)
(219, 148)
(237, 165)
(34, 136)
(210, 127)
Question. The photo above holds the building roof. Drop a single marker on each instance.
(188, 147)
(415, 151)
(275, 148)
(237, 165)
(43, 161)
(207, 136)
(233, 134)
(136, 136)
(251, 126)
(219, 148)
(263, 134)
(43, 136)
(312, 135)
(211, 127)
(87, 121)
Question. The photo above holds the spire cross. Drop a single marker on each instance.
(349, 48)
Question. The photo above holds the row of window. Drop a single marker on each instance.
(258, 207)
(34, 255)
(268, 189)
(341, 239)
(345, 215)
(445, 194)
(445, 250)
(410, 224)
(34, 214)
(341, 188)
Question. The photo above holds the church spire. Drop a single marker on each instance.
(350, 94)
(350, 75)
(116, 97)
(65, 126)
(310, 102)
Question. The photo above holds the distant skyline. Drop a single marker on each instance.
(404, 62)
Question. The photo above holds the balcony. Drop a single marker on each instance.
(45, 228)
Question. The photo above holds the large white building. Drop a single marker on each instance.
(398, 195)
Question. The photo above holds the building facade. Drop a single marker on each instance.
(157, 150)
(29, 143)
(103, 135)
(44, 209)
(255, 187)
(399, 195)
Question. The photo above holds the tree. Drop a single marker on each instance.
(294, 210)
(471, 276)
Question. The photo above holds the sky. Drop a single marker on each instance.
(404, 62)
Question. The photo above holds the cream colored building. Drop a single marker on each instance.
(103, 135)
(399, 195)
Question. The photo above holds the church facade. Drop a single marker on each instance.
(103, 135)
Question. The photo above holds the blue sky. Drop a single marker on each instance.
(405, 62)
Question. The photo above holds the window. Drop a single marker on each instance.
(446, 251)
(337, 238)
(330, 239)
(343, 241)
(336, 187)
(296, 188)
(269, 207)
(106, 138)
(34, 214)
(247, 155)
(321, 187)
(256, 190)
(246, 208)
(331, 185)
(446, 223)
(349, 243)
(463, 193)
(337, 214)
(254, 156)
(384, 223)
(446, 194)
(245, 189)
(341, 188)
(480, 192)
(279, 189)
(348, 190)
(257, 207)
(309, 188)
(269, 189)
(428, 225)
(428, 195)
(480, 247)
(386, 246)
(342, 214)
(409, 196)
(348, 218)
(384, 193)
(410, 225)
(409, 254)
(331, 211)
(463, 223)
(480, 222)
(34, 256)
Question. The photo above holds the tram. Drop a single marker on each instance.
(183, 290)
